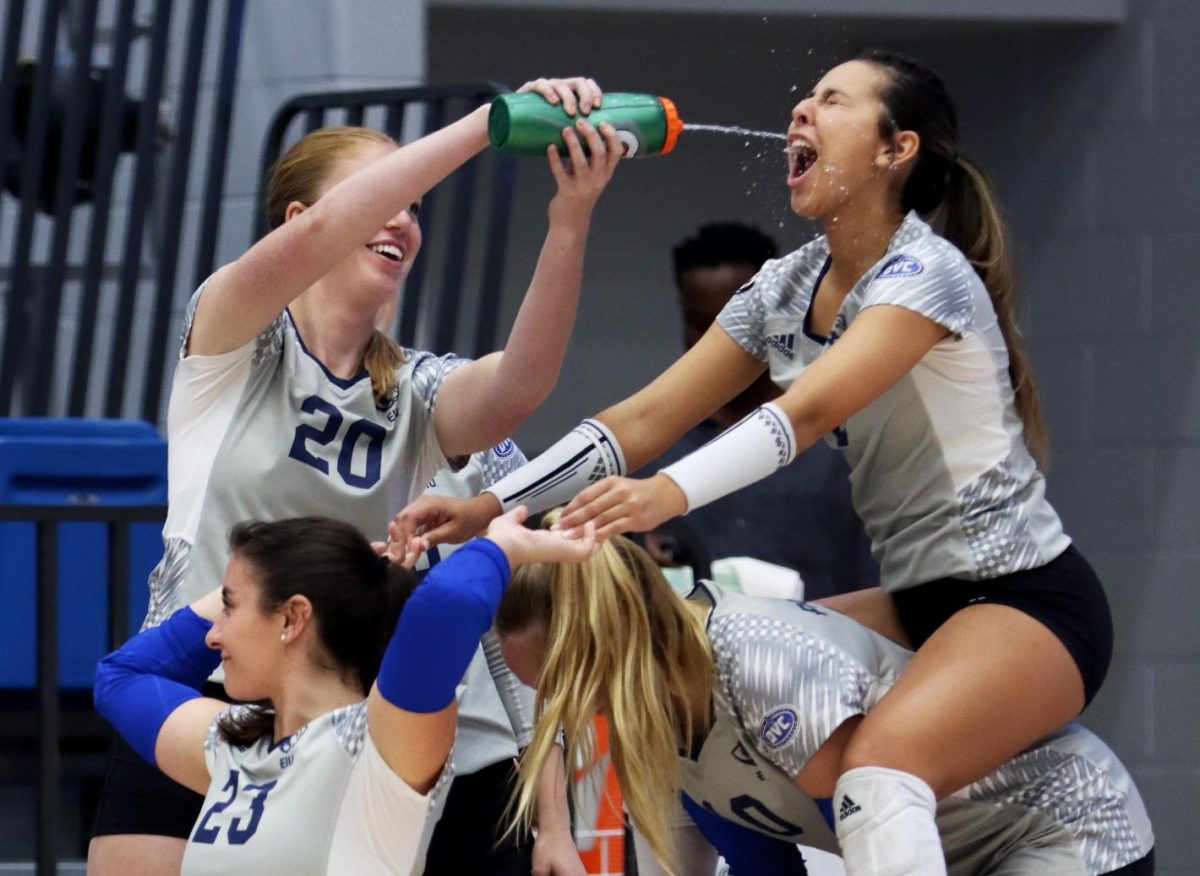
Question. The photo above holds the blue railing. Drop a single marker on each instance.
(47, 519)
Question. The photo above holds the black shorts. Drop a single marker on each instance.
(138, 799)
(1143, 866)
(466, 838)
(1064, 595)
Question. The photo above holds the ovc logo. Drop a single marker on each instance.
(900, 266)
(779, 726)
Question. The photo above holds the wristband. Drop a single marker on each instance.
(757, 445)
(586, 454)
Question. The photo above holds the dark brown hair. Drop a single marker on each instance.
(356, 599)
(958, 200)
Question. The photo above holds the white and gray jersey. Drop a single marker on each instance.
(495, 711)
(790, 673)
(940, 473)
(266, 432)
(322, 801)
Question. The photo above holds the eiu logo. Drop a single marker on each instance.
(785, 344)
(900, 266)
(848, 808)
(504, 449)
(779, 726)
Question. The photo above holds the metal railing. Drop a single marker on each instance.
(46, 520)
(69, 135)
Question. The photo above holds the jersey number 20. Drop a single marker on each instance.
(327, 434)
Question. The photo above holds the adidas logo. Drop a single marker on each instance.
(848, 808)
(785, 344)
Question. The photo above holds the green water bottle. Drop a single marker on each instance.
(525, 123)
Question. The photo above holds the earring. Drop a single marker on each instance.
(283, 637)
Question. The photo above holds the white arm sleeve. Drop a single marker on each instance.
(749, 450)
(586, 454)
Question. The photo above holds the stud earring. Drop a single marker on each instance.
(283, 637)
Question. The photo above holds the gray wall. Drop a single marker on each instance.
(1090, 134)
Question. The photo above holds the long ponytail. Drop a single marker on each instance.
(618, 638)
(970, 218)
(381, 359)
(957, 198)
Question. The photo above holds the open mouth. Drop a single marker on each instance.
(389, 251)
(800, 158)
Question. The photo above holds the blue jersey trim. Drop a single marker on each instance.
(820, 339)
(342, 382)
(825, 804)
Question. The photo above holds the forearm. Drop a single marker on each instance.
(296, 254)
(361, 204)
(533, 355)
(699, 383)
(748, 451)
(646, 429)
(552, 810)
(490, 398)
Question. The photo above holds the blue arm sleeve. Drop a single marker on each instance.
(440, 628)
(146, 679)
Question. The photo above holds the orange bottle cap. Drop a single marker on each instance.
(674, 125)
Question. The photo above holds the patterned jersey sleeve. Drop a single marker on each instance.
(787, 688)
(270, 339)
(743, 315)
(935, 280)
(428, 374)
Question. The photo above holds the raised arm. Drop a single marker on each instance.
(882, 345)
(149, 690)
(243, 297)
(486, 400)
(411, 709)
(623, 437)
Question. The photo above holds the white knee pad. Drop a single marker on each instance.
(885, 824)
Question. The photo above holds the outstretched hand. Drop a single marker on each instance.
(431, 520)
(617, 505)
(522, 545)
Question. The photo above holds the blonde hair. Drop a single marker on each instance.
(299, 175)
(619, 638)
